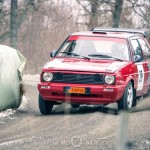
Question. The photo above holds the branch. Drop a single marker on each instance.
(106, 1)
(84, 7)
(135, 5)
(105, 11)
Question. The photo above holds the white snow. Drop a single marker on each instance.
(32, 80)
(24, 104)
(10, 113)
(7, 113)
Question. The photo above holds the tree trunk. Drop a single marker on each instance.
(1, 14)
(117, 13)
(14, 24)
(94, 14)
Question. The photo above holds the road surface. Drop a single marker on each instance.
(86, 128)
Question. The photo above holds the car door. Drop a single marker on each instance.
(142, 70)
(146, 52)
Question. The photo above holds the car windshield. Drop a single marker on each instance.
(95, 47)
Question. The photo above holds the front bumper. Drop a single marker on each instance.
(99, 94)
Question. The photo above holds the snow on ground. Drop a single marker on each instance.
(10, 113)
(24, 104)
(7, 113)
(31, 79)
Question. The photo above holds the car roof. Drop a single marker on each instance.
(112, 32)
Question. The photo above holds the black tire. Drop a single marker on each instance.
(75, 105)
(127, 100)
(45, 106)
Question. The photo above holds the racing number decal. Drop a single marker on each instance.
(140, 77)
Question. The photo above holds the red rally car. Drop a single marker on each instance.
(101, 66)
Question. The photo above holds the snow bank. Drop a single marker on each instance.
(10, 113)
(12, 63)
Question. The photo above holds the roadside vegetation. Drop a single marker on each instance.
(36, 27)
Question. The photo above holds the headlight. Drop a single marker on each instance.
(109, 79)
(47, 76)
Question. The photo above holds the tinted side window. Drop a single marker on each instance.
(138, 55)
(145, 48)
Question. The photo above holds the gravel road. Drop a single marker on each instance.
(86, 128)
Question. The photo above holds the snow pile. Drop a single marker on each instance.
(10, 113)
(24, 104)
(7, 113)
(11, 77)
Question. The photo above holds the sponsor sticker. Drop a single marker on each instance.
(140, 77)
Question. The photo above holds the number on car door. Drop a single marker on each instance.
(142, 70)
(146, 52)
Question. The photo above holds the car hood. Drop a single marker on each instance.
(67, 64)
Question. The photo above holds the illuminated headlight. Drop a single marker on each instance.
(47, 76)
(109, 79)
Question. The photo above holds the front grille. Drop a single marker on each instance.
(78, 78)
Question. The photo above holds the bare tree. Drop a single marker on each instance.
(14, 23)
(4, 21)
(117, 13)
(110, 12)
(43, 31)
(44, 24)
(1, 9)
(99, 10)
(92, 11)
(141, 9)
(18, 10)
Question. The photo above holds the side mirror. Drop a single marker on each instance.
(53, 53)
(137, 58)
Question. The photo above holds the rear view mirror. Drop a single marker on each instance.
(137, 58)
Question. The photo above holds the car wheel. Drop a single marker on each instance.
(127, 100)
(75, 105)
(45, 106)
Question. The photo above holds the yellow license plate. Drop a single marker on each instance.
(77, 90)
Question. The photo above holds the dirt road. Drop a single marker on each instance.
(86, 128)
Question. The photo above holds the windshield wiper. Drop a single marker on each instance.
(74, 54)
(104, 56)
